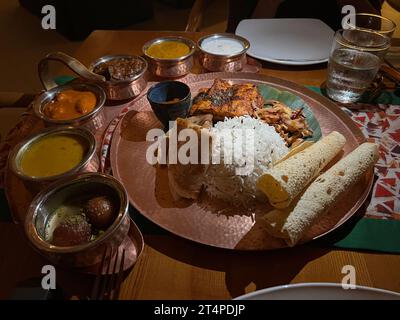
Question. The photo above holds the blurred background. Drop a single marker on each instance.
(25, 42)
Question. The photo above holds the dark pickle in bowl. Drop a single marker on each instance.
(169, 100)
(120, 69)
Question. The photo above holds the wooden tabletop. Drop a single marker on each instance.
(174, 268)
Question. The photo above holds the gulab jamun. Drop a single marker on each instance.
(72, 231)
(100, 211)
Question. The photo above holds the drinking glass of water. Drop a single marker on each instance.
(354, 61)
(370, 21)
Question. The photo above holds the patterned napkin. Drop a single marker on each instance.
(379, 228)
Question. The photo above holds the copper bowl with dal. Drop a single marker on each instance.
(52, 154)
(170, 57)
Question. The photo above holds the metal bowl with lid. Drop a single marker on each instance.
(93, 120)
(61, 192)
(115, 89)
(222, 57)
(89, 162)
(170, 68)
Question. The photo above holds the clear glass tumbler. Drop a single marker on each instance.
(354, 61)
(369, 21)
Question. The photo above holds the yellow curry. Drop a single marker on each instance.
(70, 104)
(53, 155)
(168, 50)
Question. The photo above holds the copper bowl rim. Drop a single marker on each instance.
(41, 101)
(43, 245)
(244, 41)
(103, 59)
(190, 43)
(20, 148)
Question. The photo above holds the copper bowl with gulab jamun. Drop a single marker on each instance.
(75, 219)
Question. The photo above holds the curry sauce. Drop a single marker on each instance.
(70, 104)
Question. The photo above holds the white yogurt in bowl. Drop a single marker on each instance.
(223, 52)
(222, 46)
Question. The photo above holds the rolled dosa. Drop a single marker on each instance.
(288, 178)
(292, 224)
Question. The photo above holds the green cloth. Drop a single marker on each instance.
(373, 234)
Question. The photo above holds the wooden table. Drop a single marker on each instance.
(174, 268)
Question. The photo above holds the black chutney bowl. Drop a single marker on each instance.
(170, 100)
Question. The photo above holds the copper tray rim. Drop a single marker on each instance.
(291, 86)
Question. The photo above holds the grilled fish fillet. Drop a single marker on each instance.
(226, 100)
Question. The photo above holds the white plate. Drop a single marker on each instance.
(287, 41)
(320, 291)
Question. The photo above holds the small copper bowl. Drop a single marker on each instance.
(58, 193)
(89, 163)
(223, 62)
(93, 120)
(122, 89)
(170, 68)
(114, 89)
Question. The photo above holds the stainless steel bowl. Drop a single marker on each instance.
(170, 68)
(89, 162)
(122, 89)
(93, 120)
(223, 63)
(58, 193)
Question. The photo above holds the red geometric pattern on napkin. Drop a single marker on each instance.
(383, 128)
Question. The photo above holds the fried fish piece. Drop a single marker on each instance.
(226, 100)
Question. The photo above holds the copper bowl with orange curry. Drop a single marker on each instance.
(74, 104)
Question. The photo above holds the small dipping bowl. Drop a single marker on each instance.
(170, 68)
(223, 52)
(89, 162)
(62, 192)
(169, 100)
(122, 89)
(93, 120)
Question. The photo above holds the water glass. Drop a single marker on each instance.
(369, 21)
(354, 61)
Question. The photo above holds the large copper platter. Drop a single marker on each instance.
(211, 223)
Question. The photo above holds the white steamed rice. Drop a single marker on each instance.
(263, 148)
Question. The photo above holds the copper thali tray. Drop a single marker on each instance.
(207, 222)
